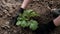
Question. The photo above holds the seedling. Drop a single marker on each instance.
(24, 20)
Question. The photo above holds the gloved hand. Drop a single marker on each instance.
(14, 19)
(56, 12)
(45, 28)
(21, 10)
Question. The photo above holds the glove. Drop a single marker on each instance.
(14, 19)
(45, 28)
(56, 13)
(21, 10)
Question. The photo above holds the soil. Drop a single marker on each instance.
(8, 9)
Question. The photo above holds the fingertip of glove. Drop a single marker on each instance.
(21, 10)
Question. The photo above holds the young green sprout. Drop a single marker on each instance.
(24, 20)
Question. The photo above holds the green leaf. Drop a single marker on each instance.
(28, 23)
(18, 23)
(27, 13)
(24, 24)
(34, 22)
(33, 25)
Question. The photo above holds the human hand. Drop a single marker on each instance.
(56, 12)
(14, 19)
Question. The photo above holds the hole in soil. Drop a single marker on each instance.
(7, 9)
(13, 7)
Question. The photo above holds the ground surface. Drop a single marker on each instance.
(8, 9)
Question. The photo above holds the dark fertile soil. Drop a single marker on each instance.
(8, 9)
